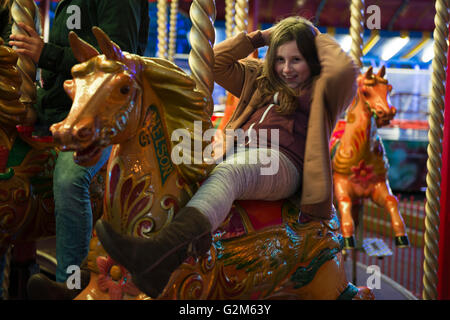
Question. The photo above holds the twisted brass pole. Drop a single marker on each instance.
(241, 15)
(173, 29)
(161, 7)
(201, 57)
(25, 11)
(357, 30)
(356, 52)
(434, 162)
(6, 273)
(229, 17)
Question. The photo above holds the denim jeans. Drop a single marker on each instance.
(73, 210)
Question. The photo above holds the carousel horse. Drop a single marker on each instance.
(137, 104)
(359, 161)
(26, 167)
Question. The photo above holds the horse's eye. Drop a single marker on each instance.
(125, 90)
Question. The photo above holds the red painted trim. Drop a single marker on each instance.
(263, 214)
(444, 227)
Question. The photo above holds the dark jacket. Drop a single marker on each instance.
(332, 92)
(5, 24)
(126, 22)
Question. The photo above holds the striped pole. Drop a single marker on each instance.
(25, 11)
(357, 30)
(202, 38)
(434, 163)
(161, 7)
(173, 29)
(229, 17)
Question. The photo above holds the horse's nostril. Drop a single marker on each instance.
(84, 133)
(84, 130)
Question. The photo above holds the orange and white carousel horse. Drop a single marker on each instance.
(359, 161)
(135, 103)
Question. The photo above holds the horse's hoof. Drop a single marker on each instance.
(402, 241)
(349, 242)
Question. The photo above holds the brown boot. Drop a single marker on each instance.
(152, 261)
(39, 287)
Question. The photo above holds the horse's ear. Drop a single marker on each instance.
(369, 72)
(82, 50)
(381, 72)
(109, 48)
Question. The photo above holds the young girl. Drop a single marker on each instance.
(299, 92)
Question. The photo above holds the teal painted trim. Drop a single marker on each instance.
(349, 293)
(334, 149)
(304, 275)
(341, 241)
(7, 175)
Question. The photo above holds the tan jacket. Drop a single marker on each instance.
(332, 92)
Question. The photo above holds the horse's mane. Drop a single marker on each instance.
(183, 105)
(12, 110)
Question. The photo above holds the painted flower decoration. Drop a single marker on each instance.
(115, 279)
(363, 174)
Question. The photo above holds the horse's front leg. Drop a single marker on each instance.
(344, 203)
(382, 196)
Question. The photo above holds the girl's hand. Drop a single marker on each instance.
(316, 30)
(266, 34)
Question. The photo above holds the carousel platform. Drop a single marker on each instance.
(388, 289)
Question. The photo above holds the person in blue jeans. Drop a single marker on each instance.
(73, 212)
(126, 22)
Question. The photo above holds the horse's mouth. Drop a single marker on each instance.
(88, 156)
(382, 122)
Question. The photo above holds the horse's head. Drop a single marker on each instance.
(105, 92)
(374, 90)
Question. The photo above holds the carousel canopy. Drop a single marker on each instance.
(403, 39)
(396, 15)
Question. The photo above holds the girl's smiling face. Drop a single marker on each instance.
(290, 65)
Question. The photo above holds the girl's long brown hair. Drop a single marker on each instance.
(300, 30)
